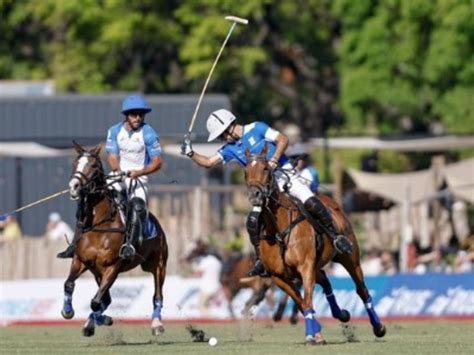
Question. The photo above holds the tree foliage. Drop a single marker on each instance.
(359, 66)
(406, 64)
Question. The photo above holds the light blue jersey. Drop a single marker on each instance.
(135, 148)
(315, 178)
(253, 138)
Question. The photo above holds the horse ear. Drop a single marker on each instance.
(264, 150)
(96, 150)
(79, 149)
(247, 153)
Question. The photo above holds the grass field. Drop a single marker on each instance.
(430, 337)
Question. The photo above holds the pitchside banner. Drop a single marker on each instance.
(432, 295)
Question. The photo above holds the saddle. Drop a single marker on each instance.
(305, 215)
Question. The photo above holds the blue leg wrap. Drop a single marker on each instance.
(67, 305)
(374, 318)
(157, 310)
(335, 310)
(311, 324)
(98, 317)
(308, 322)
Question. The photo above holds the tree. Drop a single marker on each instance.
(406, 64)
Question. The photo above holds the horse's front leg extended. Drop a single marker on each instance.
(106, 281)
(98, 302)
(77, 269)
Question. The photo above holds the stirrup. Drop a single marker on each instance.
(342, 244)
(127, 251)
(258, 270)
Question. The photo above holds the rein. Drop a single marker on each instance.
(91, 187)
(271, 193)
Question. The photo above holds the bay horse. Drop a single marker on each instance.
(292, 248)
(233, 278)
(102, 234)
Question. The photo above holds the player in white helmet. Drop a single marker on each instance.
(238, 138)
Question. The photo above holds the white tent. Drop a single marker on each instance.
(460, 179)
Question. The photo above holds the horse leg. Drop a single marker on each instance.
(96, 317)
(278, 315)
(322, 279)
(77, 269)
(312, 326)
(294, 314)
(257, 297)
(100, 318)
(159, 275)
(354, 269)
(229, 294)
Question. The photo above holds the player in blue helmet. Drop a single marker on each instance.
(133, 147)
(222, 124)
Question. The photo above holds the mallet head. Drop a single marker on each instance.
(236, 19)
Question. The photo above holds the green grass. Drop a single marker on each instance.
(434, 337)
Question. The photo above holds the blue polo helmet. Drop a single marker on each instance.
(135, 103)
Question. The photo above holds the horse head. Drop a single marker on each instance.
(87, 171)
(257, 177)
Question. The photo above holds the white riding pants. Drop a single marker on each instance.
(137, 189)
(296, 187)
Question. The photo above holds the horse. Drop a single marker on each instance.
(102, 234)
(233, 279)
(294, 247)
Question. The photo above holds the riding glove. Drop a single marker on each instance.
(186, 147)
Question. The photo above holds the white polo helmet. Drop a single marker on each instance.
(217, 123)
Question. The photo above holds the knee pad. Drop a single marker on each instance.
(253, 225)
(138, 205)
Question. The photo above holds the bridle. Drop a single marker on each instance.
(265, 189)
(90, 184)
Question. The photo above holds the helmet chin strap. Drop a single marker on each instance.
(234, 135)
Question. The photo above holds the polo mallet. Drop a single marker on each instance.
(47, 198)
(235, 20)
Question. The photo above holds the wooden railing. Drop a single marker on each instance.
(185, 212)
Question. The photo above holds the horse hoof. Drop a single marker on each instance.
(67, 315)
(88, 331)
(277, 317)
(108, 321)
(345, 316)
(380, 331)
(294, 320)
(157, 331)
(319, 340)
(310, 340)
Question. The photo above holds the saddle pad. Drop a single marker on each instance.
(150, 231)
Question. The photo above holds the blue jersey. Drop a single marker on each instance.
(315, 183)
(135, 148)
(254, 137)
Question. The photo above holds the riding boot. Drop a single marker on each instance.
(315, 207)
(70, 250)
(253, 228)
(134, 235)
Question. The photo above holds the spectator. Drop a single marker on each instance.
(208, 268)
(11, 229)
(372, 263)
(388, 263)
(57, 229)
